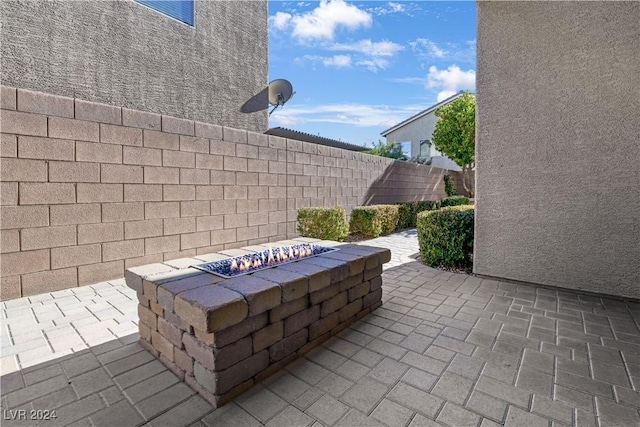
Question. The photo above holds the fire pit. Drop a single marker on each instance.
(222, 333)
(257, 261)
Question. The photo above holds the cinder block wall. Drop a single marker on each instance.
(89, 189)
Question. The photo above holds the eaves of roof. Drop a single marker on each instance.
(420, 114)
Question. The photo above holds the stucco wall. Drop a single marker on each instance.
(125, 54)
(417, 131)
(558, 144)
(89, 189)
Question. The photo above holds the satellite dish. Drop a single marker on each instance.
(280, 91)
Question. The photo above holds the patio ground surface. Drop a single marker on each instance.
(444, 348)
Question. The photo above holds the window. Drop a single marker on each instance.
(425, 148)
(182, 10)
(406, 148)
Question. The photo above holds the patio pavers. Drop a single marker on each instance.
(444, 349)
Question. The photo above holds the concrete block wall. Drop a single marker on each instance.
(89, 189)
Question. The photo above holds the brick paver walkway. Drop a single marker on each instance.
(444, 349)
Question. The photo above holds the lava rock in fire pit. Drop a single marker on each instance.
(272, 257)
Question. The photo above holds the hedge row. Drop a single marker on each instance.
(367, 221)
(323, 223)
(408, 212)
(375, 220)
(454, 201)
(445, 228)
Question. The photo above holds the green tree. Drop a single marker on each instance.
(455, 135)
(391, 149)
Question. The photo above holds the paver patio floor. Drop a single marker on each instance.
(444, 349)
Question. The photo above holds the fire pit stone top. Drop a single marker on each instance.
(196, 295)
(222, 335)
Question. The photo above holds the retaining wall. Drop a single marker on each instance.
(90, 189)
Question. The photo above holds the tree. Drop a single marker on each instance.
(391, 149)
(455, 135)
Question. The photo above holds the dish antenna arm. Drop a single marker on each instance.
(280, 91)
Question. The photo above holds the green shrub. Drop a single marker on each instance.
(448, 186)
(389, 218)
(323, 223)
(408, 211)
(364, 221)
(446, 237)
(454, 201)
(374, 220)
(405, 214)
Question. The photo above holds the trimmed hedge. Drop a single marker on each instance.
(323, 223)
(446, 237)
(454, 201)
(408, 211)
(374, 220)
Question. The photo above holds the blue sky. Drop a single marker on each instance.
(358, 68)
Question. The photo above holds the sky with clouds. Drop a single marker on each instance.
(359, 68)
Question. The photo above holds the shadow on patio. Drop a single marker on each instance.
(444, 348)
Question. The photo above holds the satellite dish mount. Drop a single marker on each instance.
(280, 91)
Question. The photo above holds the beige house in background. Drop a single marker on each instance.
(558, 103)
(417, 130)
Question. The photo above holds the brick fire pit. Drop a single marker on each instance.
(221, 336)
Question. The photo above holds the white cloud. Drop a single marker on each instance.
(317, 29)
(338, 61)
(427, 49)
(442, 95)
(368, 54)
(322, 22)
(280, 117)
(393, 7)
(466, 53)
(396, 7)
(371, 55)
(369, 48)
(374, 64)
(450, 81)
(280, 20)
(408, 80)
(361, 115)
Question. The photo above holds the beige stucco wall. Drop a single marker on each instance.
(418, 130)
(558, 144)
(126, 54)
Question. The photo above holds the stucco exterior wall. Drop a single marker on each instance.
(88, 190)
(415, 132)
(558, 144)
(125, 54)
(419, 130)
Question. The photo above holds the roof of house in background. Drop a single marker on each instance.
(316, 139)
(420, 114)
